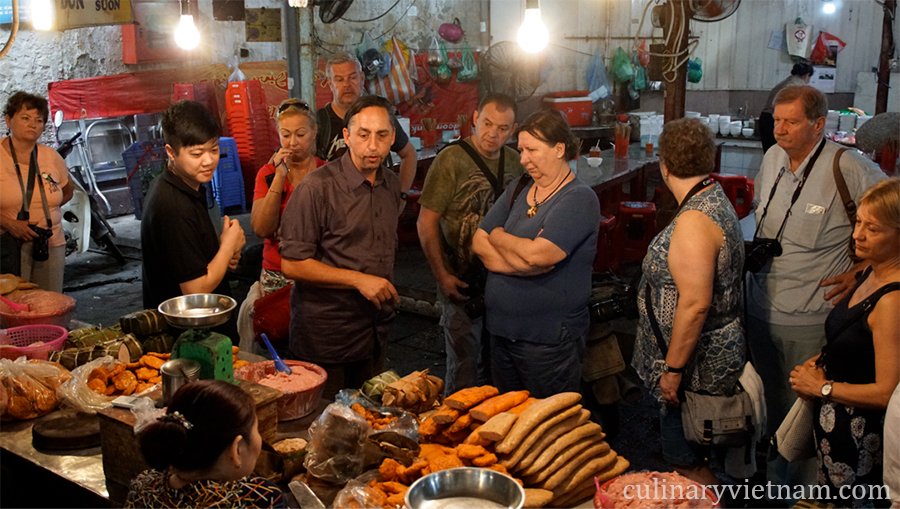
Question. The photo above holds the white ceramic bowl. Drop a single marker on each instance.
(724, 118)
(691, 114)
(747, 132)
(594, 162)
(713, 118)
(735, 129)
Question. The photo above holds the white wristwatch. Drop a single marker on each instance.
(826, 389)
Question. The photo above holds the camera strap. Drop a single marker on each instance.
(690, 194)
(496, 181)
(33, 173)
(794, 197)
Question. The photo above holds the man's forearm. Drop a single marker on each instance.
(215, 273)
(408, 162)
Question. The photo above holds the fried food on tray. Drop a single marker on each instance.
(445, 462)
(97, 385)
(124, 380)
(99, 374)
(152, 362)
(390, 470)
(469, 452)
(145, 373)
(471, 396)
(241, 364)
(485, 461)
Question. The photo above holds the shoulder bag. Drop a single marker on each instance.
(846, 200)
(795, 439)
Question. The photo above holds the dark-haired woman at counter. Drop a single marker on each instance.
(202, 452)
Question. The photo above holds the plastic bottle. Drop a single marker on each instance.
(623, 136)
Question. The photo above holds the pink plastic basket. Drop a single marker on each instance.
(17, 341)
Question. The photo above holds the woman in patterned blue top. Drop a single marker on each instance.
(202, 452)
(693, 268)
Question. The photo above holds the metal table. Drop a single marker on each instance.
(606, 180)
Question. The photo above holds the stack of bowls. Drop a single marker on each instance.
(714, 122)
(724, 124)
(747, 132)
(691, 114)
(735, 127)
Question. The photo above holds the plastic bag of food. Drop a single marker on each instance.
(469, 71)
(337, 444)
(443, 73)
(30, 387)
(76, 394)
(356, 494)
(380, 418)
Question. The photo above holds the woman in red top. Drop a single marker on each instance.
(297, 128)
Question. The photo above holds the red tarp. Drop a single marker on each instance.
(151, 92)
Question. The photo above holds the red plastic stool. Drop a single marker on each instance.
(607, 257)
(636, 228)
(738, 189)
(406, 225)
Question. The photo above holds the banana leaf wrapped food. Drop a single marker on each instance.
(417, 392)
(374, 387)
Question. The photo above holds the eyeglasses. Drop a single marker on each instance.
(300, 106)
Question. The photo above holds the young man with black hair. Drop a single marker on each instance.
(338, 241)
(181, 251)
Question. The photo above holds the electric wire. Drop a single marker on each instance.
(391, 8)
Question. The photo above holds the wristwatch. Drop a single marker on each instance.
(670, 369)
(404, 196)
(826, 389)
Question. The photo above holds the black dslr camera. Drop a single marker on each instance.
(40, 246)
(612, 299)
(760, 252)
(476, 278)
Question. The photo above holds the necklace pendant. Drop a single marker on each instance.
(532, 211)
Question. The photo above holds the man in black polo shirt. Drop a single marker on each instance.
(181, 252)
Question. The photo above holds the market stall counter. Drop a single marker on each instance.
(607, 179)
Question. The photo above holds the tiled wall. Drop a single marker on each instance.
(727, 102)
(741, 160)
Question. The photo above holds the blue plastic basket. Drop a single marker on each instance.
(228, 188)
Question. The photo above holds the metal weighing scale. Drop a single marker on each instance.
(198, 313)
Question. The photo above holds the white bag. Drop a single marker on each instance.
(794, 438)
(799, 36)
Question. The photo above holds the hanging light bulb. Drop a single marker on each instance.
(186, 35)
(533, 34)
(828, 8)
(42, 14)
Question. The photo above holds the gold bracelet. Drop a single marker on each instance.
(276, 192)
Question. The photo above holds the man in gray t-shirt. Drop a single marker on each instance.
(786, 300)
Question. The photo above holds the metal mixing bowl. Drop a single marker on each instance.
(465, 487)
(198, 310)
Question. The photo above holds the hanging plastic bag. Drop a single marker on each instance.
(434, 54)
(597, 80)
(443, 73)
(76, 394)
(640, 74)
(620, 67)
(826, 49)
(644, 53)
(30, 387)
(236, 74)
(798, 36)
(469, 71)
(695, 70)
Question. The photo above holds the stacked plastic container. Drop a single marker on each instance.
(144, 161)
(251, 127)
(228, 181)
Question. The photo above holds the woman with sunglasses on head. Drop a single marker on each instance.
(297, 127)
(31, 236)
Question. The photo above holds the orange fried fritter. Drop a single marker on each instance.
(485, 461)
(445, 462)
(467, 451)
(390, 470)
(97, 385)
(152, 362)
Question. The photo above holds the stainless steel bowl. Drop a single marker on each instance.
(465, 488)
(197, 310)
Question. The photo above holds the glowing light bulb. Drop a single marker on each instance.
(828, 8)
(186, 35)
(42, 14)
(533, 35)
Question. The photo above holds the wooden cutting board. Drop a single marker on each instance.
(66, 430)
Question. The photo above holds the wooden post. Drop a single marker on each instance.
(675, 90)
(884, 62)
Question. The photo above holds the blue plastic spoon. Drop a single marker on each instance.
(279, 364)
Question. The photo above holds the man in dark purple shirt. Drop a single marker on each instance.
(338, 240)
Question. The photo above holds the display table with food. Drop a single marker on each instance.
(393, 442)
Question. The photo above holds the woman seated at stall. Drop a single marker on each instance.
(693, 269)
(202, 452)
(297, 128)
(538, 243)
(851, 381)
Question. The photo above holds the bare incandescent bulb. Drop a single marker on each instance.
(533, 34)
